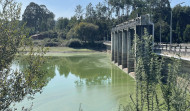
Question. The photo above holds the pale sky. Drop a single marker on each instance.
(66, 8)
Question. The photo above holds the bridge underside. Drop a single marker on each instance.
(123, 38)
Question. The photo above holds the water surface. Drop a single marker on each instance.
(91, 81)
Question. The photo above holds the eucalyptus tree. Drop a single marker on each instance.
(116, 5)
(38, 17)
(101, 11)
(79, 12)
(90, 13)
(47, 19)
(127, 5)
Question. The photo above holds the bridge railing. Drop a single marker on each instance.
(107, 42)
(181, 49)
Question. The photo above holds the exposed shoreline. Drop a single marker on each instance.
(70, 53)
(65, 51)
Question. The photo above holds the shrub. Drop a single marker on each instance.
(71, 34)
(55, 40)
(47, 34)
(51, 44)
(95, 46)
(62, 35)
(74, 43)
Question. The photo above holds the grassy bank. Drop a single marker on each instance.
(68, 49)
(61, 49)
(65, 51)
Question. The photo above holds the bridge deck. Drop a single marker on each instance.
(163, 51)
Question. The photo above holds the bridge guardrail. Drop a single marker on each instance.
(173, 49)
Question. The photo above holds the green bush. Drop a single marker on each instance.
(75, 43)
(55, 40)
(47, 34)
(51, 44)
(62, 35)
(71, 34)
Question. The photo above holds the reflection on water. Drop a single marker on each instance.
(90, 80)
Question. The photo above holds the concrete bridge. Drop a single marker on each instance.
(122, 37)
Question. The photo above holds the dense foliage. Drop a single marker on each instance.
(181, 21)
(110, 13)
(160, 86)
(186, 34)
(16, 84)
(75, 43)
(86, 31)
(38, 18)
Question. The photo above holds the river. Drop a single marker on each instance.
(89, 81)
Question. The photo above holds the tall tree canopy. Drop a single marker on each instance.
(181, 19)
(90, 13)
(38, 17)
(186, 34)
(86, 31)
(62, 23)
(79, 12)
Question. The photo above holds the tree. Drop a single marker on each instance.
(90, 13)
(71, 34)
(127, 4)
(165, 29)
(79, 12)
(86, 31)
(101, 11)
(38, 17)
(180, 20)
(62, 23)
(16, 84)
(72, 22)
(186, 34)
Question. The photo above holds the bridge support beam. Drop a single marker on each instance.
(119, 52)
(130, 56)
(124, 49)
(112, 46)
(115, 47)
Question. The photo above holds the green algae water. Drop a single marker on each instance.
(90, 82)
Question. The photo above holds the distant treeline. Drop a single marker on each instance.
(93, 23)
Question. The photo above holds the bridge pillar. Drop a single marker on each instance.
(140, 30)
(123, 42)
(124, 49)
(112, 46)
(115, 46)
(130, 56)
(119, 48)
